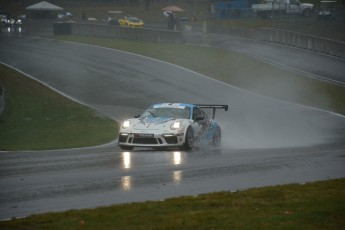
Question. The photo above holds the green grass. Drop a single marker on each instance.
(236, 69)
(319, 205)
(37, 118)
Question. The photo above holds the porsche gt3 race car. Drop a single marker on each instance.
(171, 125)
(131, 21)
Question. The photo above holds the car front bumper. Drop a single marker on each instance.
(150, 140)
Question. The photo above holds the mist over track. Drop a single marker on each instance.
(265, 141)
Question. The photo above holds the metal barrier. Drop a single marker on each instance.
(290, 38)
(304, 41)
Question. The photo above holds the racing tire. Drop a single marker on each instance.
(189, 139)
(217, 138)
(127, 147)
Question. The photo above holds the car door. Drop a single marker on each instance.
(199, 121)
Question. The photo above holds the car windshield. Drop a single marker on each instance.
(133, 19)
(183, 113)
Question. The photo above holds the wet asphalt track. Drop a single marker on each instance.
(265, 142)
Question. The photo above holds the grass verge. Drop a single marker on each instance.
(236, 69)
(319, 205)
(37, 118)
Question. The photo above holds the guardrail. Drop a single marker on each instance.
(232, 31)
(304, 41)
(289, 38)
(2, 100)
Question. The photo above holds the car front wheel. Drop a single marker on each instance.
(189, 139)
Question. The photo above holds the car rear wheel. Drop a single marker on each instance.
(189, 140)
(217, 138)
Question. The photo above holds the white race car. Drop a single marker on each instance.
(171, 125)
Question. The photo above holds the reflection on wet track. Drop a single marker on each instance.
(126, 158)
(12, 31)
(81, 178)
(126, 183)
(177, 158)
(177, 176)
(170, 157)
(174, 158)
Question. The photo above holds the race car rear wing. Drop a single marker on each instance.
(214, 107)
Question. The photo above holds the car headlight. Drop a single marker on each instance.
(126, 124)
(176, 125)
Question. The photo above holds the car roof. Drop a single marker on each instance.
(173, 105)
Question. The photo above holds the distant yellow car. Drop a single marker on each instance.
(131, 21)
